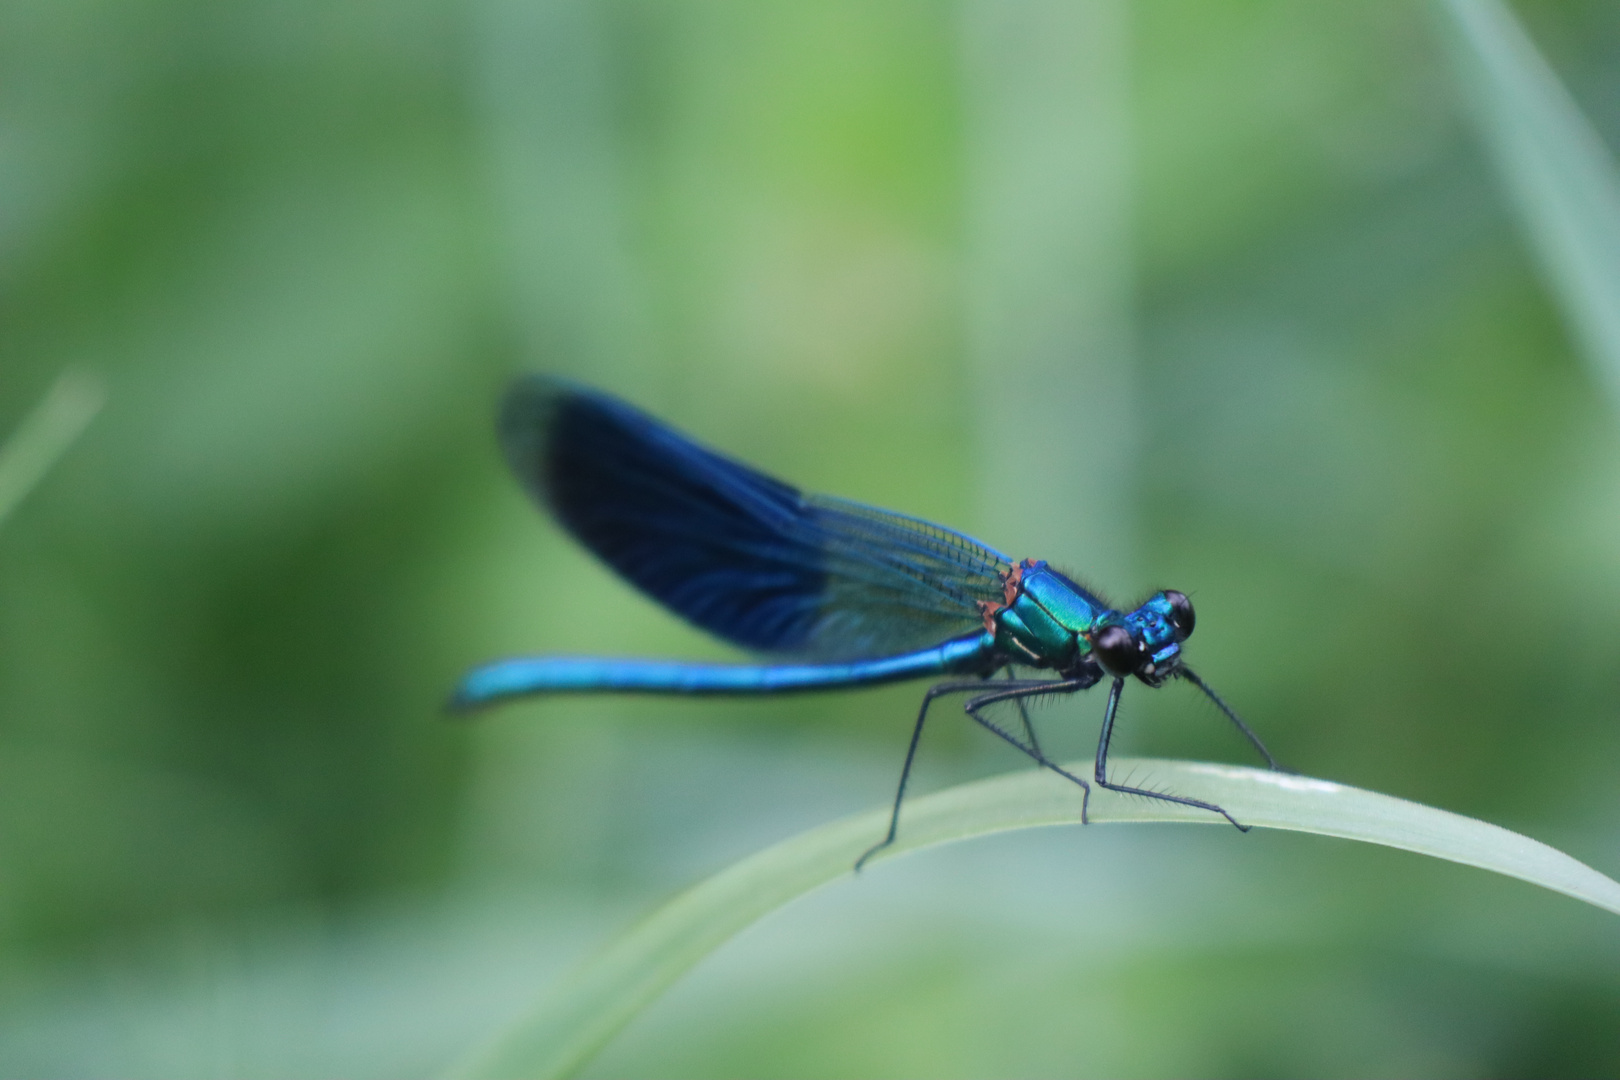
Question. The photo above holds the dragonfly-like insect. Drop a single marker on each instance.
(837, 593)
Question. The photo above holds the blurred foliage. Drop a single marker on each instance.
(304, 245)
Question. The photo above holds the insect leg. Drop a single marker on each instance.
(1232, 716)
(937, 690)
(1023, 714)
(1018, 693)
(1102, 765)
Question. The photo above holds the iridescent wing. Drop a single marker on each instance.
(740, 554)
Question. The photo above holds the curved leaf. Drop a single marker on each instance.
(600, 996)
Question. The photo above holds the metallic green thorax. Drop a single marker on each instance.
(1050, 621)
(1048, 617)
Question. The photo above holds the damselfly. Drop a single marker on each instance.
(842, 594)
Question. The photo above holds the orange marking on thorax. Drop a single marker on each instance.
(1012, 587)
(1012, 582)
(989, 611)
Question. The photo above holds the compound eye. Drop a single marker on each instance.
(1115, 649)
(1181, 613)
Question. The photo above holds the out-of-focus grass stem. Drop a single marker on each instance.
(45, 435)
(1562, 179)
(1049, 277)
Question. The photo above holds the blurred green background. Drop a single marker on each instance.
(1220, 297)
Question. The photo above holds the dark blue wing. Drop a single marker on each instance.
(745, 557)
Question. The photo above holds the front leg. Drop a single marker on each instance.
(1231, 714)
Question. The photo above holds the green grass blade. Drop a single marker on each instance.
(1049, 272)
(45, 434)
(1562, 179)
(598, 998)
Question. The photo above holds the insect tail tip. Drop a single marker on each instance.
(461, 705)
